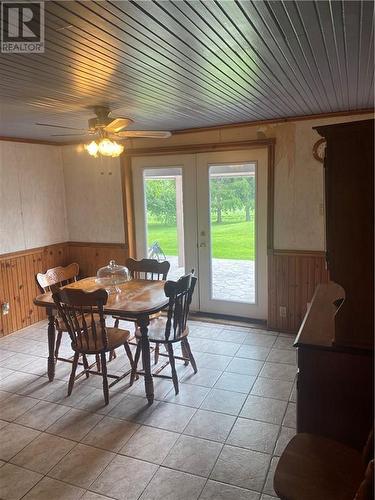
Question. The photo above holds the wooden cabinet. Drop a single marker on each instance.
(336, 338)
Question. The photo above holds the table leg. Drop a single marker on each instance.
(146, 358)
(51, 344)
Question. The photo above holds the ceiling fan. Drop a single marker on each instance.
(104, 127)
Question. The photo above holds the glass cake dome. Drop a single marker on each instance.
(112, 275)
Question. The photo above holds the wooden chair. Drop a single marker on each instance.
(58, 276)
(145, 269)
(314, 467)
(172, 329)
(80, 311)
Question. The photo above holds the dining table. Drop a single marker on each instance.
(135, 299)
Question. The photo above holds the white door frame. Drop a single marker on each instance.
(258, 310)
(187, 162)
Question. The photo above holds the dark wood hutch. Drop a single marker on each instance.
(336, 339)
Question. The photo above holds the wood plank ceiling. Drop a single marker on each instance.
(173, 65)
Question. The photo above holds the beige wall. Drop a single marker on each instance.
(32, 197)
(93, 197)
(299, 219)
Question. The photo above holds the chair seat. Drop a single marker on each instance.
(313, 467)
(156, 332)
(90, 345)
(61, 325)
(133, 320)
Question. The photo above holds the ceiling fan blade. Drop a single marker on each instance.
(57, 126)
(152, 134)
(118, 124)
(69, 135)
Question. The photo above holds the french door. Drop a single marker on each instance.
(207, 212)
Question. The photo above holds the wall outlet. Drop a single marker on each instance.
(5, 308)
(282, 311)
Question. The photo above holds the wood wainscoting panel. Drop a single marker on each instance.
(17, 275)
(92, 256)
(292, 279)
(18, 286)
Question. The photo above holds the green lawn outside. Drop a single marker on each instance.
(232, 239)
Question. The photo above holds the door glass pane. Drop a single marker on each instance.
(164, 217)
(232, 231)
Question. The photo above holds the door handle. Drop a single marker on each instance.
(203, 245)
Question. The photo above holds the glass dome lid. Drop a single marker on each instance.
(112, 275)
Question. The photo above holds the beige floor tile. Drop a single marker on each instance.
(50, 489)
(170, 417)
(235, 336)
(267, 497)
(245, 366)
(254, 435)
(75, 424)
(111, 434)
(15, 406)
(161, 388)
(60, 394)
(223, 348)
(125, 478)
(82, 465)
(235, 382)
(16, 482)
(212, 361)
(285, 343)
(13, 438)
(42, 415)
(193, 455)
(5, 372)
(90, 495)
(17, 361)
(204, 377)
(264, 409)
(150, 444)
(277, 389)
(169, 484)
(253, 352)
(134, 408)
(17, 382)
(220, 491)
(286, 434)
(283, 356)
(94, 400)
(290, 419)
(189, 395)
(43, 453)
(278, 371)
(259, 339)
(41, 388)
(293, 394)
(3, 423)
(224, 401)
(268, 487)
(240, 467)
(210, 425)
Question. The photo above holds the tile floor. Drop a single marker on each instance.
(219, 439)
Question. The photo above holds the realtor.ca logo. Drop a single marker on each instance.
(22, 27)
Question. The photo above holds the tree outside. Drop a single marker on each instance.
(232, 216)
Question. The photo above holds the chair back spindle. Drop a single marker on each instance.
(148, 269)
(80, 311)
(180, 294)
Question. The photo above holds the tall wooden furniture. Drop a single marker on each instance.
(173, 329)
(83, 316)
(335, 341)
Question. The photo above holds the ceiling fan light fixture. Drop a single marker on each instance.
(104, 147)
(92, 149)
